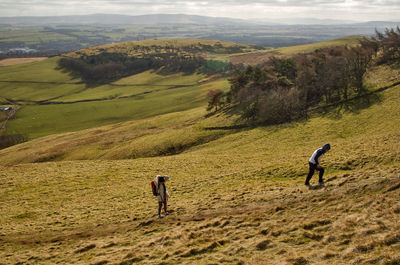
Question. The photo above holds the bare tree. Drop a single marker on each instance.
(215, 99)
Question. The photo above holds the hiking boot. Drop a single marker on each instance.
(160, 216)
(166, 213)
(321, 182)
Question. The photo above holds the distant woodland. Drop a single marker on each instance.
(106, 67)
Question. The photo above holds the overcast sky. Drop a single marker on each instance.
(358, 10)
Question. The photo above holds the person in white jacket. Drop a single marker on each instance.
(314, 164)
(162, 193)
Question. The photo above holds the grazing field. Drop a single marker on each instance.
(41, 120)
(52, 101)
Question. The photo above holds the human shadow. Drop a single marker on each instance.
(316, 187)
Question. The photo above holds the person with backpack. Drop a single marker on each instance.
(314, 164)
(160, 190)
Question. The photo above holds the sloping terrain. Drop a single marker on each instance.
(186, 130)
(104, 213)
(238, 198)
(237, 193)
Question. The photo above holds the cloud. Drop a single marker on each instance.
(333, 9)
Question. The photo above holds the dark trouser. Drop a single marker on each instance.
(313, 167)
(160, 206)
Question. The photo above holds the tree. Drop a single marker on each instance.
(389, 45)
(282, 90)
(359, 59)
(215, 99)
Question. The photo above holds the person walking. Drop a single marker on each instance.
(162, 194)
(314, 164)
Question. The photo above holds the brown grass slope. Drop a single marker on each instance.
(103, 213)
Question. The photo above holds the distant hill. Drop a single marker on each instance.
(307, 21)
(109, 19)
(51, 35)
(379, 24)
(156, 19)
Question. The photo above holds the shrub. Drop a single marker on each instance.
(9, 140)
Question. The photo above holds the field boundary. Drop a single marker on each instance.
(49, 102)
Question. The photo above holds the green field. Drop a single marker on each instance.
(50, 119)
(53, 102)
(30, 36)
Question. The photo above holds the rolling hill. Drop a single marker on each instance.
(53, 101)
(237, 193)
(110, 19)
(154, 19)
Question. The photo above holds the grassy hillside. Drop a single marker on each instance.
(52, 101)
(183, 129)
(36, 81)
(349, 41)
(236, 199)
(139, 102)
(237, 193)
(258, 57)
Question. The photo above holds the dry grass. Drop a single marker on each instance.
(226, 209)
(103, 211)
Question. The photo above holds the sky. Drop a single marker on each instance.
(355, 10)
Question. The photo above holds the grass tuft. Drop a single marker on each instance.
(263, 245)
(86, 248)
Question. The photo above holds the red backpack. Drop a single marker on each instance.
(153, 188)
